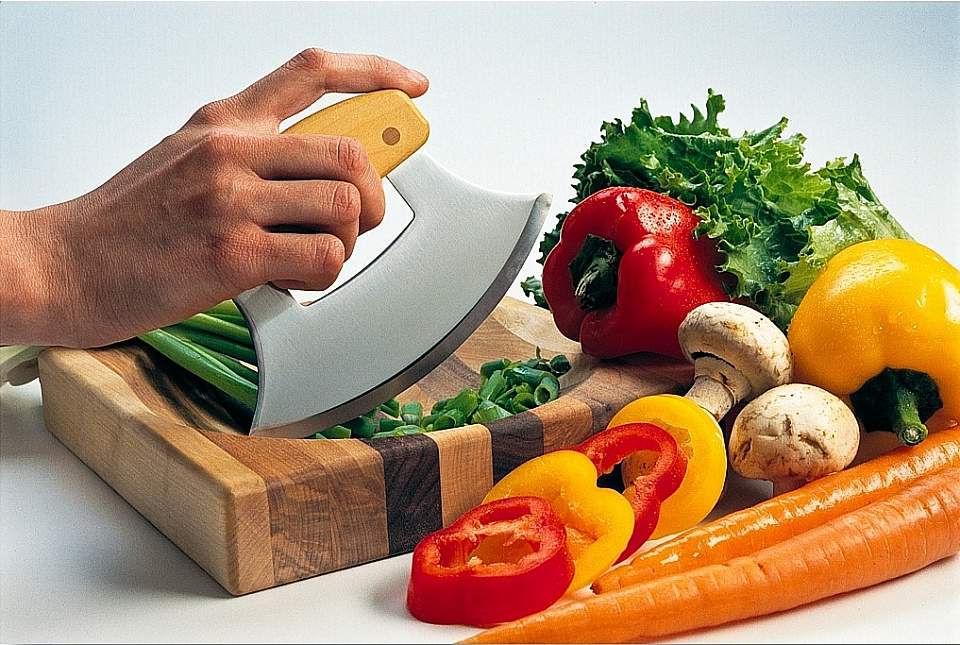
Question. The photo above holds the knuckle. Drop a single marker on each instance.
(211, 113)
(328, 259)
(222, 194)
(345, 202)
(312, 59)
(351, 156)
(374, 219)
(233, 254)
(380, 65)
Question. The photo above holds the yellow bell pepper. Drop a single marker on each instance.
(699, 437)
(599, 521)
(881, 324)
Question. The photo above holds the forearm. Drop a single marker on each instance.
(33, 306)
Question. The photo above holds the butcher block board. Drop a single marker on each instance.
(259, 512)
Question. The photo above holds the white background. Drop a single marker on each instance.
(518, 92)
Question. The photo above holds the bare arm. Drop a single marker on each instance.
(195, 219)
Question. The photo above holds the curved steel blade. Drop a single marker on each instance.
(402, 315)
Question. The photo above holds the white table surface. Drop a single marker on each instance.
(518, 92)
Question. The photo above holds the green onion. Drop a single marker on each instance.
(466, 402)
(215, 342)
(336, 432)
(526, 374)
(525, 400)
(459, 418)
(412, 413)
(225, 308)
(402, 431)
(559, 365)
(391, 407)
(494, 386)
(487, 369)
(445, 422)
(216, 346)
(214, 325)
(489, 411)
(388, 425)
(362, 427)
(202, 365)
(240, 369)
(547, 391)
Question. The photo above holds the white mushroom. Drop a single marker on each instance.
(793, 434)
(737, 354)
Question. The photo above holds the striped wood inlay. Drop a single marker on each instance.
(256, 512)
(327, 504)
(411, 477)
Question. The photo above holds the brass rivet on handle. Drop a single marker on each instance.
(391, 136)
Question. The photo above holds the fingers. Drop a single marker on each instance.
(340, 159)
(299, 261)
(313, 72)
(319, 206)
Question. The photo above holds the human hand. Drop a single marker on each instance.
(201, 216)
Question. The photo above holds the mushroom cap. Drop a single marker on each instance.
(741, 337)
(793, 432)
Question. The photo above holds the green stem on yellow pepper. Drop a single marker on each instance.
(905, 418)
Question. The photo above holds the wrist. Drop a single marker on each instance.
(33, 262)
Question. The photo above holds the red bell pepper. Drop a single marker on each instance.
(626, 272)
(500, 561)
(608, 448)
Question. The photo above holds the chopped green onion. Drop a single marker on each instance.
(466, 402)
(412, 412)
(459, 418)
(444, 422)
(526, 374)
(494, 386)
(337, 432)
(488, 368)
(547, 391)
(391, 407)
(489, 411)
(559, 365)
(526, 400)
(362, 427)
(388, 425)
(402, 431)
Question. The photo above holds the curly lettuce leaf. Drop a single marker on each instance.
(775, 220)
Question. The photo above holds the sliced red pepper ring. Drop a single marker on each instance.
(646, 492)
(500, 561)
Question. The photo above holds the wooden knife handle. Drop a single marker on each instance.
(386, 122)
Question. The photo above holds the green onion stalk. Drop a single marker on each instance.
(216, 347)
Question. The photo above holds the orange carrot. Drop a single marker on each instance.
(886, 539)
(787, 515)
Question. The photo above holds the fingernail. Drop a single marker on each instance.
(420, 77)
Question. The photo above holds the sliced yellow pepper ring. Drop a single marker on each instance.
(701, 440)
(599, 521)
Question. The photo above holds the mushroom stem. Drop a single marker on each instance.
(717, 385)
(712, 395)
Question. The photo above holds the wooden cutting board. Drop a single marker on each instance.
(259, 512)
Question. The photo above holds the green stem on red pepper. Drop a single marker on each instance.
(594, 273)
